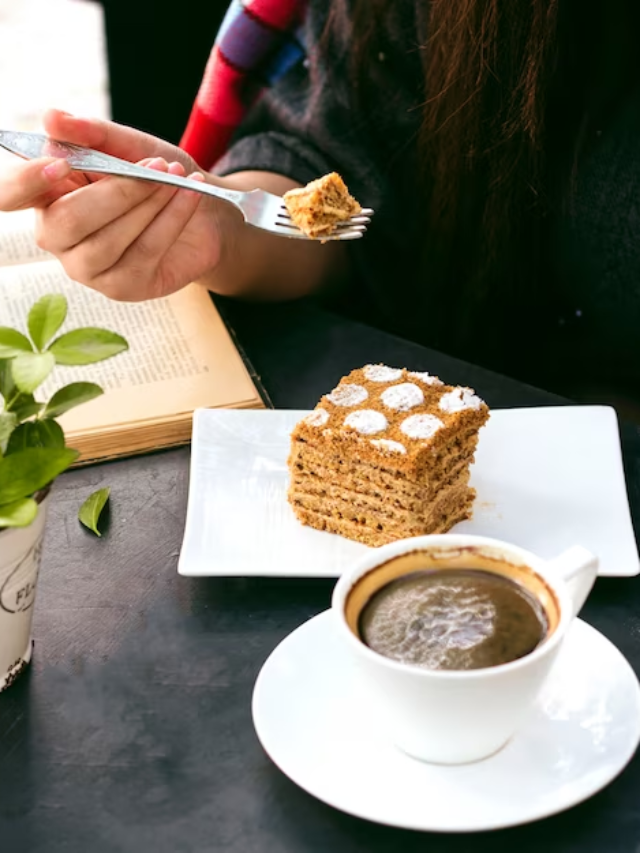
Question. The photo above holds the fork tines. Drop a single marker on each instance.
(349, 229)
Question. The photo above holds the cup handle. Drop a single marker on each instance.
(579, 569)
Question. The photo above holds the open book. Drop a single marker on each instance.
(181, 356)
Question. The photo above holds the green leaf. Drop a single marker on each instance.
(23, 473)
(25, 407)
(90, 510)
(7, 385)
(8, 422)
(31, 369)
(71, 395)
(13, 342)
(46, 317)
(18, 513)
(44, 433)
(86, 346)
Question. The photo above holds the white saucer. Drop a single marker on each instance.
(311, 720)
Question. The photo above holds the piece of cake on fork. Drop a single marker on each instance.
(318, 207)
(386, 455)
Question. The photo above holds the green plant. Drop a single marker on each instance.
(33, 449)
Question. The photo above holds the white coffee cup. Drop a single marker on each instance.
(459, 716)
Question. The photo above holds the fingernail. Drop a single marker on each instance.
(56, 170)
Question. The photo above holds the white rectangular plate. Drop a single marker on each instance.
(546, 479)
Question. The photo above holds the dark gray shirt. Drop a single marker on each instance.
(309, 124)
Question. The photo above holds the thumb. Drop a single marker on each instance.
(107, 136)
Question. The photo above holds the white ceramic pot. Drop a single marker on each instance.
(20, 552)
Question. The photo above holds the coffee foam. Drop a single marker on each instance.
(467, 557)
(430, 626)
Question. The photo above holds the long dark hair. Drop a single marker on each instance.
(506, 82)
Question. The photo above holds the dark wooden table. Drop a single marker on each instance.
(132, 729)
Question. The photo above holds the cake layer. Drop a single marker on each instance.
(377, 515)
(410, 465)
(370, 532)
(306, 459)
(462, 444)
(363, 493)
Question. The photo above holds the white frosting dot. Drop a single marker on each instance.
(421, 426)
(402, 397)
(427, 378)
(381, 373)
(317, 418)
(348, 395)
(366, 421)
(459, 399)
(387, 444)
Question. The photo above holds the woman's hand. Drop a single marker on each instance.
(129, 239)
(134, 240)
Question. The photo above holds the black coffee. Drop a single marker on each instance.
(453, 619)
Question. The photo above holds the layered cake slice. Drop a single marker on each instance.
(386, 455)
(317, 208)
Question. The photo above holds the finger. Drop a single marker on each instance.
(104, 249)
(177, 169)
(115, 139)
(23, 183)
(92, 177)
(153, 243)
(91, 208)
(167, 226)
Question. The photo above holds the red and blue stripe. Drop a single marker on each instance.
(257, 42)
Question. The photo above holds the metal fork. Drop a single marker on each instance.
(259, 208)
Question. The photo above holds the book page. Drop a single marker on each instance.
(180, 355)
(17, 240)
(157, 348)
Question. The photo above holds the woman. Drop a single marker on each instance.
(497, 142)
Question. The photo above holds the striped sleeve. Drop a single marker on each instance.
(257, 43)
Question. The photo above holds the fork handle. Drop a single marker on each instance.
(81, 159)
(142, 173)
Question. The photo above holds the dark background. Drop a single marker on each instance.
(156, 56)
